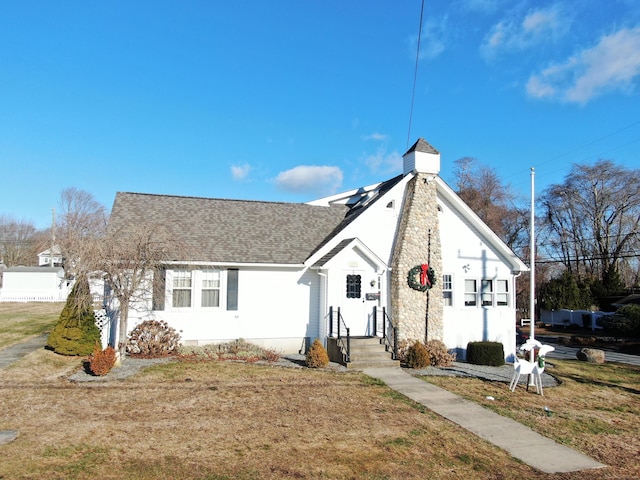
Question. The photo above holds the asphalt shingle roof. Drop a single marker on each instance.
(234, 231)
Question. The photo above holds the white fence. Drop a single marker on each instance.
(26, 297)
(566, 318)
(19, 297)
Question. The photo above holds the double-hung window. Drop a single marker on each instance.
(502, 294)
(447, 290)
(470, 293)
(181, 288)
(210, 288)
(487, 293)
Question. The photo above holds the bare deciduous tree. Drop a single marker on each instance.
(131, 260)
(82, 225)
(591, 221)
(494, 202)
(17, 241)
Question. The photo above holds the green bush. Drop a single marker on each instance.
(317, 356)
(626, 321)
(76, 332)
(417, 356)
(485, 353)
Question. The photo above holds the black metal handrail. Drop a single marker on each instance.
(344, 343)
(389, 333)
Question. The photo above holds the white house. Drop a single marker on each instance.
(276, 274)
(34, 284)
(45, 257)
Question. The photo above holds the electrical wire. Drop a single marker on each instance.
(415, 75)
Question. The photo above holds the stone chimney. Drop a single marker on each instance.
(418, 315)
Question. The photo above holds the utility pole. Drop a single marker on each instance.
(532, 280)
(53, 234)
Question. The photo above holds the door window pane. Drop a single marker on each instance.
(354, 286)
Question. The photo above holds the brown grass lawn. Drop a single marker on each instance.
(596, 410)
(218, 420)
(224, 420)
(21, 321)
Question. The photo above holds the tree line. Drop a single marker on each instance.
(587, 230)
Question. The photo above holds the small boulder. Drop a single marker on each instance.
(591, 355)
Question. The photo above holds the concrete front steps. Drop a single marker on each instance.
(368, 352)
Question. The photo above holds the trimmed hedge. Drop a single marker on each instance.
(485, 353)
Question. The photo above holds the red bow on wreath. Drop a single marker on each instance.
(424, 277)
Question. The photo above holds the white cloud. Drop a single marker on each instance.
(433, 36)
(432, 41)
(521, 32)
(239, 172)
(379, 137)
(310, 179)
(383, 162)
(612, 64)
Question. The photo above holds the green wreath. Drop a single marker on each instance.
(421, 277)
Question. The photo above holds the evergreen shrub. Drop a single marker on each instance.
(76, 332)
(485, 353)
(417, 356)
(626, 321)
(317, 356)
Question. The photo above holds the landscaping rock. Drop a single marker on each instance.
(591, 355)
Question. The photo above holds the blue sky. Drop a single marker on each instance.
(291, 100)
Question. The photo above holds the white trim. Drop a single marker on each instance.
(234, 264)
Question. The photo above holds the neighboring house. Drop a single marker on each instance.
(34, 284)
(45, 258)
(271, 272)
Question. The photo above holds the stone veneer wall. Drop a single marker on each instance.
(417, 315)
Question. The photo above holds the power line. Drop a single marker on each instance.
(415, 75)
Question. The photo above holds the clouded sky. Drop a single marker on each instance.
(290, 100)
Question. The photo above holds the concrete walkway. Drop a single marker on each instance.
(14, 353)
(521, 442)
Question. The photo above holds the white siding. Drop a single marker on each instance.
(465, 256)
(276, 308)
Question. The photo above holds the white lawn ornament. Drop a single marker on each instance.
(536, 368)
